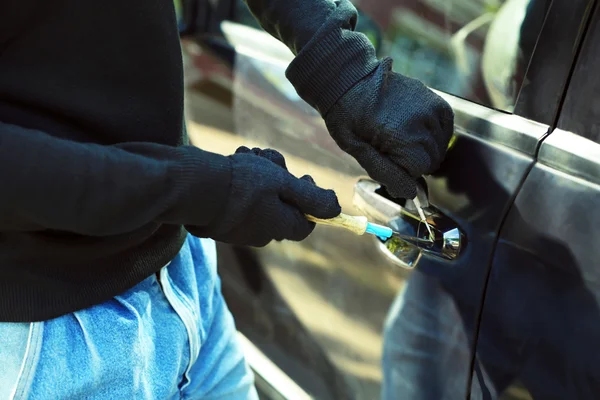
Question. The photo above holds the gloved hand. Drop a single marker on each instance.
(394, 126)
(267, 202)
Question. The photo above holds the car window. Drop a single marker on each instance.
(581, 110)
(365, 24)
(475, 49)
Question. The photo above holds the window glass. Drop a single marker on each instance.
(366, 24)
(474, 49)
(581, 109)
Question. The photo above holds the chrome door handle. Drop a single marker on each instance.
(413, 239)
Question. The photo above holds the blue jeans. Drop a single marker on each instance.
(173, 339)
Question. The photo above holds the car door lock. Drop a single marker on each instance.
(442, 240)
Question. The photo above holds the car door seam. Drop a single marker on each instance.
(479, 317)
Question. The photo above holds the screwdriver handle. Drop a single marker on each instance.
(356, 224)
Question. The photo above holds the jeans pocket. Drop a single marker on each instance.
(181, 304)
(19, 352)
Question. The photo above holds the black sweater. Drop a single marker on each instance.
(96, 177)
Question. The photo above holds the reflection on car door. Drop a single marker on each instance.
(541, 320)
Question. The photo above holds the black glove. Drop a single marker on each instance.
(267, 203)
(395, 127)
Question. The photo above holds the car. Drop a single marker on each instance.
(505, 302)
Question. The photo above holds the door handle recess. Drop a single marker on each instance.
(406, 251)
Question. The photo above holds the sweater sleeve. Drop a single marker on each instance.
(95, 190)
(330, 56)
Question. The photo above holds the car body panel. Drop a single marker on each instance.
(551, 65)
(541, 320)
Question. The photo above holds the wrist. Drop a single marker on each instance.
(333, 61)
(206, 179)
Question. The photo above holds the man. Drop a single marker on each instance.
(108, 283)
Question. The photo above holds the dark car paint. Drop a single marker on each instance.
(497, 174)
(551, 66)
(581, 108)
(542, 307)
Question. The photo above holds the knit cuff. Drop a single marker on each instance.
(206, 178)
(333, 61)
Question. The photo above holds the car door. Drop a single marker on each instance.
(541, 320)
(346, 316)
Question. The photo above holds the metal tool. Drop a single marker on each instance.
(404, 219)
(360, 225)
(422, 216)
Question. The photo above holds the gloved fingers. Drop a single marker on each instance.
(251, 231)
(269, 154)
(245, 240)
(444, 112)
(243, 150)
(396, 179)
(310, 199)
(297, 226)
(434, 148)
(447, 127)
(436, 122)
(414, 159)
(334, 210)
(274, 156)
(285, 223)
(309, 179)
(246, 150)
